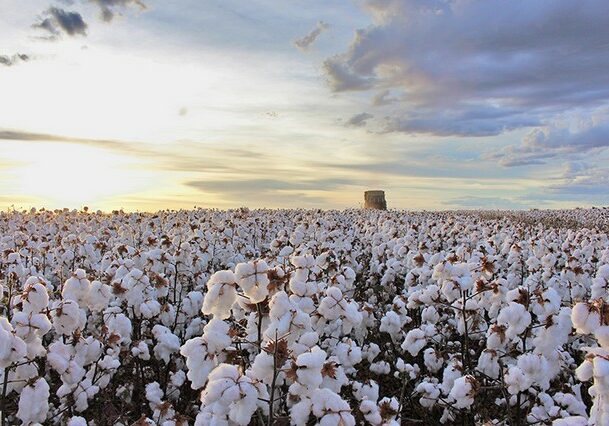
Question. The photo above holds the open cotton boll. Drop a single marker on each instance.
(309, 365)
(77, 421)
(371, 412)
(301, 411)
(600, 283)
(369, 391)
(571, 421)
(154, 394)
(488, 363)
(76, 288)
(35, 297)
(99, 296)
(432, 361)
(221, 294)
(228, 393)
(12, 348)
(517, 381)
(329, 306)
(34, 403)
(415, 341)
(167, 343)
(585, 320)
(206, 352)
(253, 279)
(516, 319)
(331, 409)
(68, 317)
(430, 393)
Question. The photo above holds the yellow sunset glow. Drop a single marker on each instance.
(71, 175)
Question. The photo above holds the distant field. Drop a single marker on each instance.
(273, 317)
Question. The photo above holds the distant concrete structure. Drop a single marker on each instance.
(375, 200)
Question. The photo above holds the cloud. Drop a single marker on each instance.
(342, 79)
(358, 120)
(108, 7)
(305, 42)
(185, 156)
(449, 58)
(288, 192)
(9, 61)
(383, 98)
(494, 203)
(552, 141)
(583, 180)
(59, 20)
(463, 121)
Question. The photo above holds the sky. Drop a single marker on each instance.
(444, 104)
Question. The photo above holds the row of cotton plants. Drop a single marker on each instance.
(271, 317)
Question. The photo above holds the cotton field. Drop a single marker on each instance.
(303, 317)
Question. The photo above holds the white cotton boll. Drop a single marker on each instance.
(331, 409)
(432, 361)
(584, 319)
(430, 315)
(99, 296)
(430, 393)
(228, 393)
(141, 351)
(118, 325)
(178, 378)
(263, 367)
(329, 306)
(304, 265)
(371, 412)
(300, 412)
(35, 297)
(76, 288)
(349, 354)
(380, 367)
(415, 341)
(463, 391)
(600, 283)
(204, 353)
(368, 391)
(68, 317)
(451, 373)
(253, 279)
(77, 421)
(488, 363)
(371, 351)
(305, 343)
(602, 335)
(391, 324)
(81, 392)
(154, 394)
(516, 380)
(150, 309)
(29, 326)
(216, 335)
(34, 402)
(309, 367)
(221, 294)
(286, 251)
(571, 421)
(515, 317)
(167, 343)
(585, 370)
(59, 356)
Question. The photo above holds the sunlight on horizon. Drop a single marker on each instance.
(72, 175)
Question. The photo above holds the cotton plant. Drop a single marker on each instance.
(299, 315)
